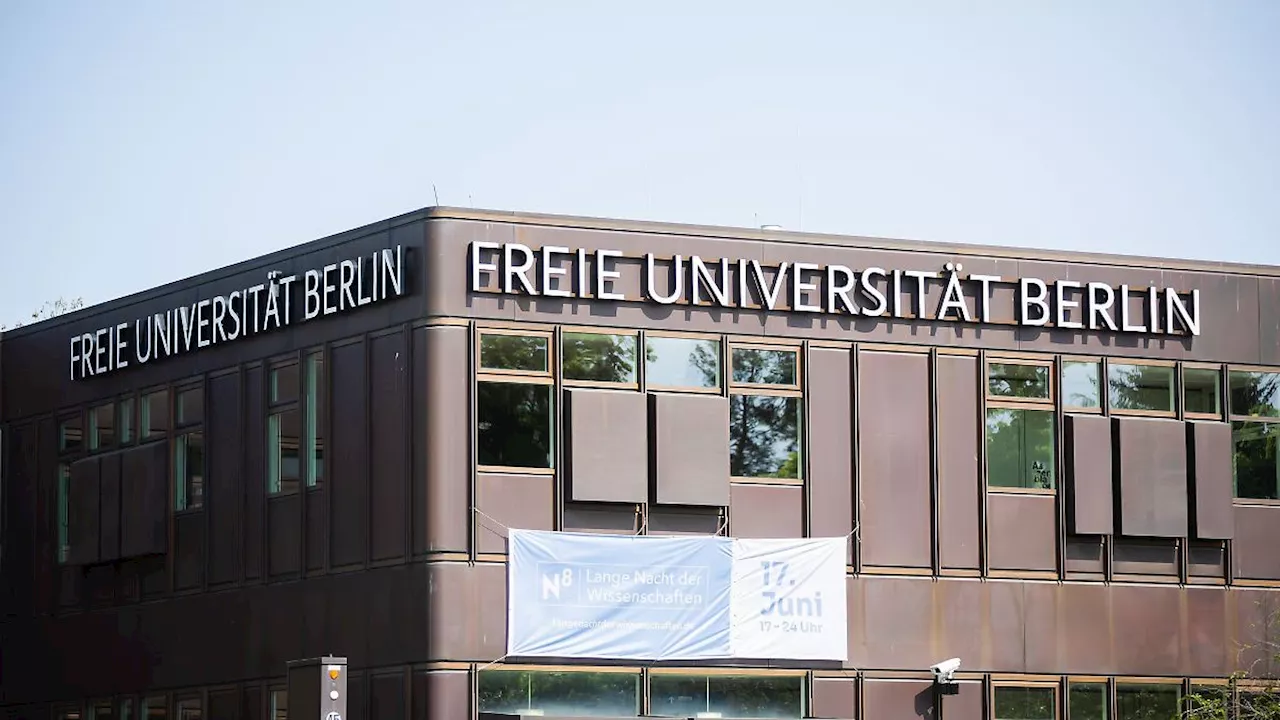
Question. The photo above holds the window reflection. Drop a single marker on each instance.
(188, 466)
(1255, 393)
(1200, 391)
(1020, 448)
(102, 427)
(1080, 384)
(515, 424)
(764, 436)
(1140, 387)
(1024, 703)
(1147, 702)
(1254, 462)
(1018, 381)
(1088, 701)
(71, 434)
(155, 414)
(600, 358)
(754, 366)
(770, 696)
(514, 352)
(682, 362)
(567, 694)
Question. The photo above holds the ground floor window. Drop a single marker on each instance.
(1141, 701)
(1020, 448)
(1088, 700)
(731, 696)
(568, 693)
(1024, 703)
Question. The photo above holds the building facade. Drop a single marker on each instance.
(1059, 468)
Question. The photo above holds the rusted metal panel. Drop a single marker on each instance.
(830, 443)
(1152, 467)
(959, 491)
(448, 438)
(765, 511)
(83, 512)
(1257, 535)
(524, 502)
(1211, 449)
(607, 446)
(1022, 532)
(690, 437)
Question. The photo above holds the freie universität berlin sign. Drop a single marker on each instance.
(832, 289)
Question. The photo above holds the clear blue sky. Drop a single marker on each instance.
(143, 141)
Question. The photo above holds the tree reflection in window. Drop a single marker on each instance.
(1088, 701)
(598, 357)
(1148, 702)
(568, 694)
(1080, 381)
(1200, 391)
(1255, 394)
(1024, 703)
(514, 423)
(514, 352)
(1254, 462)
(1018, 380)
(682, 362)
(764, 430)
(740, 696)
(1020, 448)
(1140, 387)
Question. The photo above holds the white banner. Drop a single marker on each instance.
(788, 599)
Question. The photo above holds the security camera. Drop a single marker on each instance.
(943, 671)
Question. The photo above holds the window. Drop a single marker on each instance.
(154, 411)
(567, 694)
(1148, 701)
(735, 696)
(71, 434)
(126, 709)
(64, 493)
(102, 426)
(279, 705)
(1081, 382)
(317, 414)
(1017, 702)
(188, 708)
(681, 363)
(600, 357)
(1020, 435)
(1088, 700)
(188, 471)
(284, 431)
(1258, 699)
(154, 708)
(1140, 388)
(764, 413)
(190, 407)
(126, 421)
(102, 711)
(67, 713)
(1211, 701)
(1201, 391)
(515, 401)
(1255, 415)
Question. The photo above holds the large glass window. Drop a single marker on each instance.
(1201, 391)
(1211, 701)
(1257, 472)
(64, 499)
(765, 413)
(1141, 701)
(102, 711)
(677, 362)
(1255, 394)
(599, 357)
(154, 414)
(1081, 384)
(566, 694)
(1012, 702)
(515, 401)
(188, 470)
(1140, 388)
(189, 708)
(284, 431)
(126, 420)
(733, 696)
(102, 426)
(71, 434)
(1087, 701)
(279, 705)
(317, 414)
(155, 708)
(1020, 437)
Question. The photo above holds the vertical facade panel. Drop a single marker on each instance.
(225, 489)
(1022, 532)
(608, 450)
(766, 511)
(959, 491)
(893, 467)
(83, 513)
(144, 500)
(1152, 464)
(448, 439)
(448, 694)
(830, 483)
(1257, 535)
(284, 535)
(109, 508)
(317, 513)
(690, 448)
(387, 696)
(834, 697)
(418, 440)
(1211, 484)
(255, 473)
(189, 555)
(525, 502)
(348, 483)
(388, 451)
(1089, 475)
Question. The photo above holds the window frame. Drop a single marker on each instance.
(1094, 360)
(636, 335)
(642, 685)
(1175, 389)
(1004, 402)
(721, 352)
(1053, 685)
(1126, 680)
(179, 431)
(167, 426)
(710, 672)
(1108, 696)
(1221, 414)
(279, 408)
(316, 412)
(545, 378)
(794, 389)
(62, 512)
(1232, 418)
(92, 429)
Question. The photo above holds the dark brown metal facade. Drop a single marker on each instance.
(1140, 563)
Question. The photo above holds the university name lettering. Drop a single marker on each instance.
(833, 289)
(280, 302)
